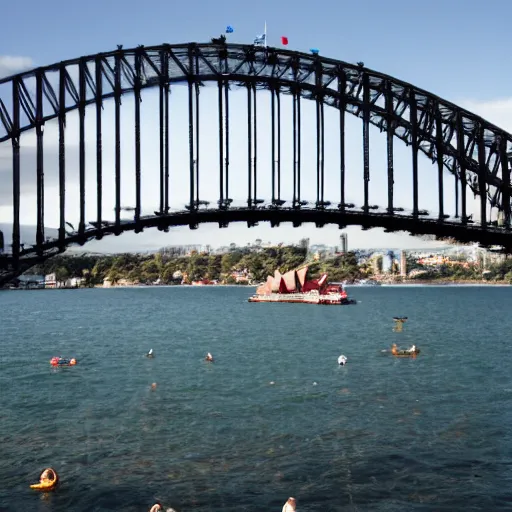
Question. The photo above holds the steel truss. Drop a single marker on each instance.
(474, 151)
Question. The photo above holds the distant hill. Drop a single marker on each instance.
(28, 234)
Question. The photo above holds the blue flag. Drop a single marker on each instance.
(229, 29)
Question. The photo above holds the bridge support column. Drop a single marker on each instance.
(117, 125)
(414, 145)
(164, 131)
(81, 142)
(482, 179)
(16, 173)
(461, 148)
(62, 159)
(389, 146)
(366, 140)
(196, 128)
(137, 100)
(191, 143)
(39, 164)
(440, 162)
(99, 162)
(296, 177)
(342, 84)
(505, 178)
(249, 146)
(226, 102)
(255, 200)
(221, 146)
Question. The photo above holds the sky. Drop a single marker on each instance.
(457, 50)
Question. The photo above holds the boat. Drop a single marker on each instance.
(294, 287)
(47, 481)
(404, 353)
(60, 361)
(367, 282)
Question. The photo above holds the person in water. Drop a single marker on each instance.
(150, 353)
(290, 505)
(46, 475)
(156, 507)
(209, 357)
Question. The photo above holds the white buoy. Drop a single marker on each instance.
(342, 360)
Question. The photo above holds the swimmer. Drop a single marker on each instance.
(209, 357)
(47, 474)
(153, 386)
(150, 353)
(342, 360)
(156, 507)
(290, 505)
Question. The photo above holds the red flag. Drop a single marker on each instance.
(284, 40)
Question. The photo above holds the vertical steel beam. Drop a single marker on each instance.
(62, 157)
(294, 121)
(454, 170)
(249, 147)
(414, 144)
(317, 105)
(161, 109)
(298, 146)
(226, 102)
(166, 136)
(191, 141)
(255, 134)
(322, 152)
(366, 139)
(117, 124)
(137, 95)
(462, 167)
(439, 157)
(482, 181)
(99, 161)
(278, 100)
(273, 143)
(221, 146)
(505, 178)
(39, 163)
(16, 240)
(390, 131)
(342, 83)
(197, 126)
(81, 142)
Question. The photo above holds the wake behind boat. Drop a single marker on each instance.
(293, 286)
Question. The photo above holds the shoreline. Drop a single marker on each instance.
(439, 283)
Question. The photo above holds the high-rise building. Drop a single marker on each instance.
(344, 243)
(403, 263)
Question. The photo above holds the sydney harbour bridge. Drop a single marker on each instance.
(463, 149)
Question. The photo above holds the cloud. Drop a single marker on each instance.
(10, 65)
(498, 112)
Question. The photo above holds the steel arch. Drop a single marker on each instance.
(462, 133)
(472, 149)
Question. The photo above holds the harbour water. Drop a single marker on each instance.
(380, 434)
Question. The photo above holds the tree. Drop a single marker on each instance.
(214, 268)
